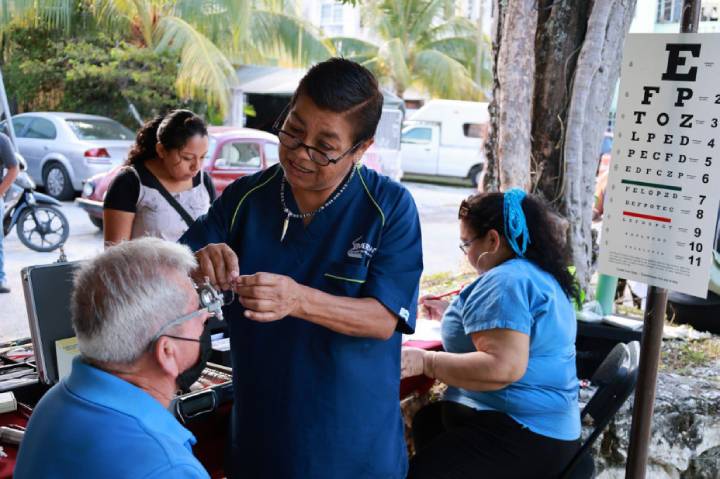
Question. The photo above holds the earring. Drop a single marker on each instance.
(477, 261)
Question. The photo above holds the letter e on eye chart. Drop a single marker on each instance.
(661, 201)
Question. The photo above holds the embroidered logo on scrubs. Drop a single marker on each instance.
(404, 314)
(360, 250)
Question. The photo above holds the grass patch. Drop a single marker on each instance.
(682, 356)
(440, 283)
(630, 311)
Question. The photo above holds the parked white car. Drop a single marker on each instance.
(64, 149)
(445, 138)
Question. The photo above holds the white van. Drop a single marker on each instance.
(445, 138)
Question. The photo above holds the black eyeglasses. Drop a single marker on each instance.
(464, 245)
(292, 142)
(178, 321)
(194, 340)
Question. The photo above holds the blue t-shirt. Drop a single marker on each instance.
(94, 424)
(310, 402)
(518, 295)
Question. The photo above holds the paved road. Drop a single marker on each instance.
(438, 212)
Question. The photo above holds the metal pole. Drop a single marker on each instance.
(651, 342)
(650, 346)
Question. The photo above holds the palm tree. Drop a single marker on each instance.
(420, 46)
(209, 36)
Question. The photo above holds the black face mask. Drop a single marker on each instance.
(188, 377)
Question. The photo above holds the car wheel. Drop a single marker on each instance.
(98, 222)
(476, 175)
(57, 182)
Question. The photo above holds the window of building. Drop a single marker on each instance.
(669, 11)
(332, 18)
(331, 13)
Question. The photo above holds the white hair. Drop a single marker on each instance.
(125, 295)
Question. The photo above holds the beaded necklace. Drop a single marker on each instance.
(289, 214)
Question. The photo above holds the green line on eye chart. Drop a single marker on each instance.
(651, 185)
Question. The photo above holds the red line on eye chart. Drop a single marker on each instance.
(661, 219)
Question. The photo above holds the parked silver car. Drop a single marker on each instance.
(64, 149)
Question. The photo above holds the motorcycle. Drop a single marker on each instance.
(41, 226)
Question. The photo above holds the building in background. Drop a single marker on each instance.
(335, 19)
(663, 16)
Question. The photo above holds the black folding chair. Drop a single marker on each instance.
(615, 379)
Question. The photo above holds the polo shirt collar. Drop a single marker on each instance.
(108, 390)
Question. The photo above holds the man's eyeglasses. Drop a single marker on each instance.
(465, 245)
(292, 142)
(179, 321)
(211, 302)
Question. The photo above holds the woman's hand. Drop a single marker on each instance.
(219, 263)
(268, 297)
(432, 308)
(412, 362)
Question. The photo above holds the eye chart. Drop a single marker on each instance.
(661, 202)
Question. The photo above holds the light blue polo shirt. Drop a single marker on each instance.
(311, 403)
(96, 425)
(518, 295)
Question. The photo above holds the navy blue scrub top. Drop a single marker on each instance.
(310, 402)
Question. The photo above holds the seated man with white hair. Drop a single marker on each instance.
(142, 335)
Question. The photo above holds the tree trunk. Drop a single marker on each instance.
(515, 70)
(491, 180)
(576, 51)
(561, 30)
(596, 114)
(579, 195)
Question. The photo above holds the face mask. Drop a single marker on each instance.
(188, 377)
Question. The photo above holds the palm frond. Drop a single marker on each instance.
(422, 18)
(204, 71)
(453, 27)
(294, 41)
(114, 15)
(462, 49)
(392, 57)
(53, 14)
(444, 77)
(225, 22)
(354, 48)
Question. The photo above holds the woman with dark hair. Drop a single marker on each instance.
(330, 257)
(162, 189)
(511, 408)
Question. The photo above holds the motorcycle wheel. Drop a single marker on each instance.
(48, 233)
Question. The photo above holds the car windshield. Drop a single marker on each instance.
(94, 129)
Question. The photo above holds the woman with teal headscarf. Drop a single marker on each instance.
(511, 408)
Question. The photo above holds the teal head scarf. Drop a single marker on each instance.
(515, 223)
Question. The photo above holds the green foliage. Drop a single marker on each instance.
(422, 45)
(97, 76)
(205, 37)
(683, 355)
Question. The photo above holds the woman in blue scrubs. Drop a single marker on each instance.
(511, 409)
(325, 257)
